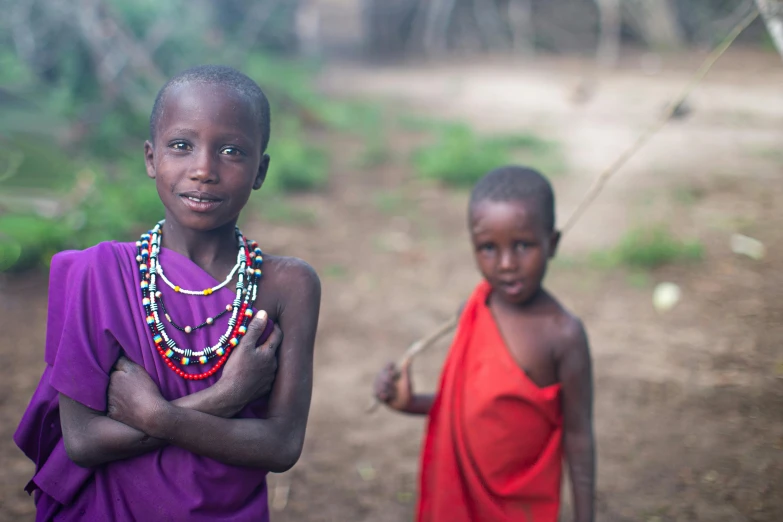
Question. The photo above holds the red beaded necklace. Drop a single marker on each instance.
(251, 258)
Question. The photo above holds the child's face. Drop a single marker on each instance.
(207, 155)
(512, 247)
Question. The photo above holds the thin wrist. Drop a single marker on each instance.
(160, 422)
(218, 400)
(222, 400)
(420, 404)
(227, 400)
(409, 405)
(412, 406)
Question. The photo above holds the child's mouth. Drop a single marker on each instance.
(512, 287)
(200, 203)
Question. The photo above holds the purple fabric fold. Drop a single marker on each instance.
(95, 315)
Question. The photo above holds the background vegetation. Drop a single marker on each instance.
(77, 83)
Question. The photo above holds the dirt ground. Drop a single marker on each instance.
(688, 405)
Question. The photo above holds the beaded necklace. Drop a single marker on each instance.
(250, 260)
(188, 329)
(206, 291)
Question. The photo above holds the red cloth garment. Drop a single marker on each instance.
(492, 451)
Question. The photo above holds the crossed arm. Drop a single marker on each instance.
(139, 420)
(93, 437)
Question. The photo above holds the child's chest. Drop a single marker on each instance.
(529, 343)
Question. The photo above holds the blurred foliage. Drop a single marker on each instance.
(649, 247)
(460, 157)
(77, 83)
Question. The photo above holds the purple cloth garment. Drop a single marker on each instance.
(95, 315)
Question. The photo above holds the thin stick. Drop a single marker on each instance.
(601, 180)
(418, 347)
(422, 344)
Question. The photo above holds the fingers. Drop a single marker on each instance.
(385, 389)
(274, 341)
(255, 328)
(123, 364)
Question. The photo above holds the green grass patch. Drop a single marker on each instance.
(646, 248)
(459, 156)
(335, 271)
(296, 166)
(274, 208)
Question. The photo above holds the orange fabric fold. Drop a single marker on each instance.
(492, 451)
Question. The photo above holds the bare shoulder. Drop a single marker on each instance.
(291, 270)
(292, 278)
(569, 335)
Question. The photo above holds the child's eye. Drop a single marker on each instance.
(522, 245)
(486, 249)
(180, 145)
(231, 151)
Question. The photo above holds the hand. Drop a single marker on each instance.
(394, 387)
(134, 399)
(250, 371)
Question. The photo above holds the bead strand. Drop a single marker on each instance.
(188, 329)
(249, 268)
(206, 291)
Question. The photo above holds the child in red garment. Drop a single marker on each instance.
(516, 388)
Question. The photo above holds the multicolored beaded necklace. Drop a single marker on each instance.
(249, 259)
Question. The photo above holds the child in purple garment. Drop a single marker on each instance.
(141, 414)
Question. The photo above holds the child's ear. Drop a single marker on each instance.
(263, 167)
(554, 241)
(149, 159)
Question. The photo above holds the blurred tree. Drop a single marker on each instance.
(656, 22)
(772, 11)
(435, 27)
(388, 27)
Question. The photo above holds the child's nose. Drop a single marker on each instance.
(204, 168)
(508, 261)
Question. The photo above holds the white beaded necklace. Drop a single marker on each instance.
(206, 291)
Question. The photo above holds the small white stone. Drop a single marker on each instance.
(665, 296)
(748, 246)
